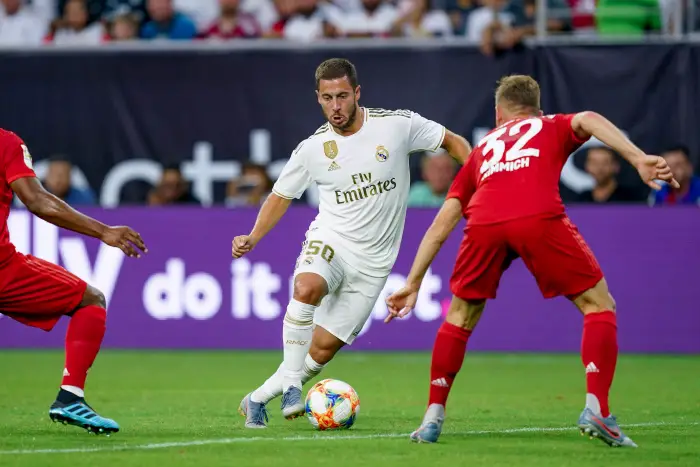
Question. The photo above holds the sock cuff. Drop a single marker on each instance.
(94, 312)
(607, 317)
(454, 331)
(299, 314)
(311, 364)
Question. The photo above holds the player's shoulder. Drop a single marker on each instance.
(9, 137)
(321, 139)
(379, 113)
(10, 141)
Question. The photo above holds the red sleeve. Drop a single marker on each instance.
(463, 186)
(16, 160)
(569, 137)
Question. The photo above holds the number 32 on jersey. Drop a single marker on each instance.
(517, 156)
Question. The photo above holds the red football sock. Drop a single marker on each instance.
(599, 355)
(448, 355)
(83, 340)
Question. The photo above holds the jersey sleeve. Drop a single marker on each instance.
(425, 135)
(295, 177)
(569, 137)
(463, 186)
(16, 159)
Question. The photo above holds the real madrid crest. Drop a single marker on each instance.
(330, 148)
(382, 154)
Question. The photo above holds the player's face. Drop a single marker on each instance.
(339, 102)
(601, 164)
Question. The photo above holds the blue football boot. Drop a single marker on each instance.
(429, 431)
(292, 403)
(255, 413)
(604, 428)
(79, 413)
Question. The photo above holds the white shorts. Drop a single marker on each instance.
(351, 294)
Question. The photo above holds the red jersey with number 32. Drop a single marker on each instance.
(15, 162)
(514, 170)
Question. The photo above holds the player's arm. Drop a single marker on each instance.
(444, 223)
(48, 207)
(587, 124)
(291, 184)
(456, 146)
(401, 302)
(427, 135)
(270, 214)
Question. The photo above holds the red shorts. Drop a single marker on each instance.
(38, 292)
(552, 249)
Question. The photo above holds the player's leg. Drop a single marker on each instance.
(599, 351)
(318, 273)
(309, 290)
(447, 358)
(563, 265)
(39, 294)
(84, 336)
(341, 319)
(481, 260)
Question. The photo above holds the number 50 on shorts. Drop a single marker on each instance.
(317, 246)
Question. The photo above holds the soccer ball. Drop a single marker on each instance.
(332, 405)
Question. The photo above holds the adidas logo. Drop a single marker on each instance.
(591, 368)
(440, 382)
(65, 372)
(333, 166)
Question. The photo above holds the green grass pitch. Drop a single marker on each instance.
(179, 409)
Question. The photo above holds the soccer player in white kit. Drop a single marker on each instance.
(359, 160)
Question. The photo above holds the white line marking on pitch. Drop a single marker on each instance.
(205, 442)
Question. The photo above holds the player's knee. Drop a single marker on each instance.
(94, 297)
(465, 313)
(595, 300)
(310, 289)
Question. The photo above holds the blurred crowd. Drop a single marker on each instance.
(496, 24)
(428, 189)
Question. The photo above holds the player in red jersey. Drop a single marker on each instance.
(508, 190)
(37, 293)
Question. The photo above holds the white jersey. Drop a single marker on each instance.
(363, 181)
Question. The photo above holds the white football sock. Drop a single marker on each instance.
(310, 370)
(74, 389)
(296, 337)
(271, 388)
(593, 403)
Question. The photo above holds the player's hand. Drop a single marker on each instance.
(401, 302)
(126, 239)
(242, 245)
(653, 168)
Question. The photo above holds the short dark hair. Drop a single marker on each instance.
(335, 68)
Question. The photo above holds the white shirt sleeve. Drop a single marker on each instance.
(425, 135)
(295, 178)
